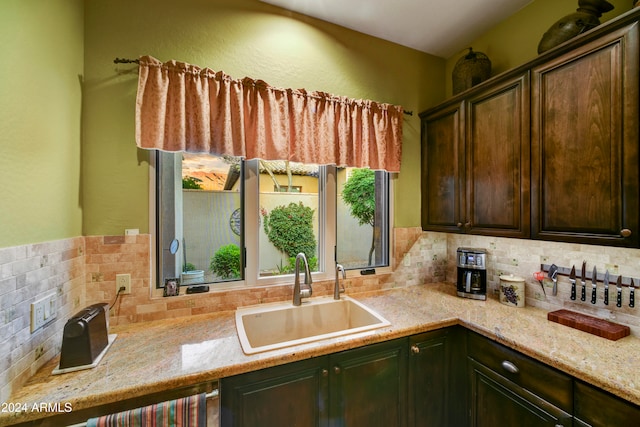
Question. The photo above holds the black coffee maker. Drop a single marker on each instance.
(472, 273)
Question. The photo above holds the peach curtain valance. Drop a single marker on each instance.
(181, 107)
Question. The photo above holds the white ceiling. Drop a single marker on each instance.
(439, 27)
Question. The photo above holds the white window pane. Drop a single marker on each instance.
(362, 218)
(199, 205)
(289, 210)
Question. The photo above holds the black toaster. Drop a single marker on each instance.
(85, 336)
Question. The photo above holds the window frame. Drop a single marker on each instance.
(327, 224)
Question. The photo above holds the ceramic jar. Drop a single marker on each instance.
(512, 290)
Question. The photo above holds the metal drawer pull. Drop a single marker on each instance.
(510, 367)
(415, 349)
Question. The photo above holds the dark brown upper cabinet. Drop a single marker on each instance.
(548, 150)
(442, 169)
(475, 163)
(585, 143)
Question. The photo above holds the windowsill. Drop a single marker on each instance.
(322, 281)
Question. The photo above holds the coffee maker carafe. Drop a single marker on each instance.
(472, 273)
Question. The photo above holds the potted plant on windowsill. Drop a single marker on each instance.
(190, 275)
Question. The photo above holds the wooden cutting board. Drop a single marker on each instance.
(593, 325)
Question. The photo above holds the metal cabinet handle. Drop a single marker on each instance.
(510, 367)
(467, 224)
(459, 225)
(415, 349)
(325, 372)
(625, 232)
(336, 369)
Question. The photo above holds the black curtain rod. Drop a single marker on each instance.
(137, 61)
(126, 61)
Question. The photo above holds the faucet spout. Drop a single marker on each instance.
(337, 290)
(299, 291)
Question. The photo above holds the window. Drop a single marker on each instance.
(228, 222)
(289, 218)
(199, 218)
(363, 218)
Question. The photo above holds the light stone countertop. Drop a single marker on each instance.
(158, 356)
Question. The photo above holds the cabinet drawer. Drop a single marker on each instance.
(540, 379)
(496, 401)
(597, 408)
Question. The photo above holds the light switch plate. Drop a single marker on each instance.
(43, 311)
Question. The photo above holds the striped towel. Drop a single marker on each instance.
(185, 412)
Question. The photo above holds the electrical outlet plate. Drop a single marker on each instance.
(43, 311)
(123, 280)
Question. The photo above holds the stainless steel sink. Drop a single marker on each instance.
(271, 326)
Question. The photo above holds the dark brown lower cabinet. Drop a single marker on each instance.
(442, 378)
(295, 394)
(368, 386)
(436, 380)
(361, 387)
(597, 408)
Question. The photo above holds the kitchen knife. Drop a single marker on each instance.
(594, 284)
(606, 287)
(583, 281)
(619, 289)
(553, 275)
(632, 296)
(572, 279)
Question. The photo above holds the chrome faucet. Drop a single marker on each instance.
(306, 290)
(336, 290)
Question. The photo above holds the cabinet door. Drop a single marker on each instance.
(498, 157)
(585, 143)
(295, 394)
(495, 401)
(436, 379)
(442, 171)
(597, 408)
(368, 386)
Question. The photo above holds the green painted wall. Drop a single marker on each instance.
(40, 115)
(515, 40)
(242, 38)
(69, 164)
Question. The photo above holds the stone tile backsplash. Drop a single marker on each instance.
(81, 271)
(524, 257)
(28, 273)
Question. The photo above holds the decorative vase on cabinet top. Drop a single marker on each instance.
(471, 69)
(584, 19)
